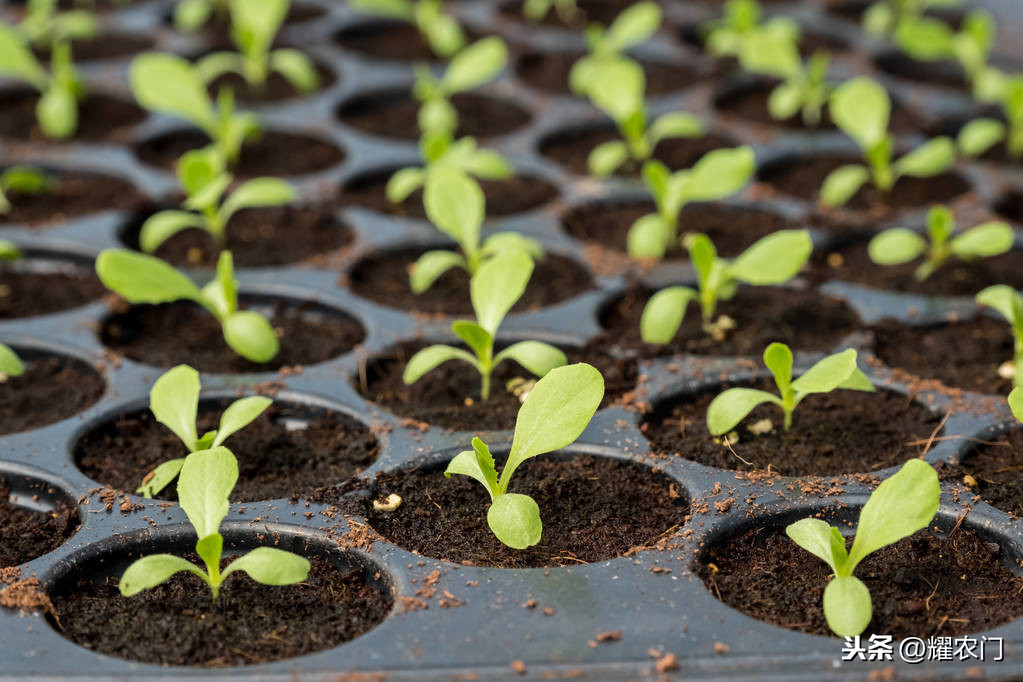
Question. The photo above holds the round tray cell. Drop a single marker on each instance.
(35, 517)
(101, 118)
(54, 387)
(45, 282)
(276, 89)
(73, 194)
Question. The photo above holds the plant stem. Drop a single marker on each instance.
(485, 386)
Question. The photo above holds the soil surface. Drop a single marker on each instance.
(995, 465)
(929, 584)
(26, 534)
(944, 72)
(101, 118)
(592, 508)
(76, 193)
(182, 332)
(106, 45)
(396, 40)
(53, 287)
(276, 89)
(572, 148)
(289, 451)
(52, 389)
(175, 624)
(1011, 205)
(548, 71)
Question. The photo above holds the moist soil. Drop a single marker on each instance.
(257, 237)
(548, 71)
(26, 533)
(175, 623)
(106, 45)
(289, 451)
(995, 465)
(28, 292)
(75, 194)
(571, 149)
(397, 40)
(448, 396)
(51, 389)
(184, 333)
(944, 72)
(592, 508)
(963, 355)
(217, 31)
(383, 277)
(276, 89)
(395, 114)
(1011, 205)
(101, 118)
(603, 12)
(929, 584)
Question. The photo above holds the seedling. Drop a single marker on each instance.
(440, 29)
(168, 84)
(60, 89)
(886, 17)
(899, 245)
(43, 26)
(139, 278)
(803, 89)
(630, 28)
(10, 364)
(929, 39)
(455, 204)
(716, 175)
(1009, 304)
(23, 180)
(438, 151)
(552, 416)
(774, 259)
(861, 108)
(726, 36)
(202, 175)
(190, 15)
(535, 10)
(174, 401)
(835, 371)
(982, 134)
(204, 487)
(903, 504)
(1016, 403)
(254, 23)
(9, 251)
(494, 289)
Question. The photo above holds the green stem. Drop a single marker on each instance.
(485, 386)
(1017, 379)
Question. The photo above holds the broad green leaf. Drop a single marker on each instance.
(150, 571)
(475, 65)
(445, 35)
(663, 314)
(925, 38)
(403, 183)
(778, 359)
(929, 159)
(497, 285)
(785, 101)
(255, 22)
(57, 111)
(536, 356)
(221, 295)
(980, 135)
(256, 193)
(174, 401)
(26, 180)
(430, 266)
(271, 566)
(860, 107)
(633, 26)
(455, 203)
(398, 9)
(648, 237)
(170, 85)
(430, 357)
(161, 226)
(770, 53)
(17, 60)
(9, 251)
(240, 414)
(878, 18)
(505, 242)
(896, 246)
(189, 15)
(204, 486)
(675, 125)
(983, 241)
(617, 89)
(478, 464)
(208, 196)
(250, 335)
(10, 364)
(773, 259)
(1005, 300)
(1016, 403)
(160, 477)
(731, 406)
(702, 253)
(605, 158)
(813, 535)
(437, 116)
(296, 68)
(488, 165)
(858, 381)
(198, 168)
(209, 549)
(515, 520)
(847, 606)
(474, 336)
(213, 66)
(842, 183)
(143, 279)
(719, 173)
(827, 374)
(655, 177)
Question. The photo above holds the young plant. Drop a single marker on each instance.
(861, 109)
(168, 84)
(204, 487)
(774, 259)
(886, 17)
(803, 89)
(439, 151)
(552, 416)
(1009, 304)
(929, 39)
(835, 371)
(535, 10)
(899, 245)
(174, 401)
(10, 364)
(1016, 403)
(9, 251)
(716, 175)
(23, 180)
(725, 37)
(631, 27)
(43, 26)
(60, 89)
(202, 175)
(440, 29)
(903, 504)
(494, 289)
(982, 134)
(139, 278)
(190, 15)
(254, 23)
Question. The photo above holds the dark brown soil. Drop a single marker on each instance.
(962, 355)
(28, 288)
(805, 320)
(394, 113)
(548, 71)
(928, 584)
(517, 194)
(448, 396)
(396, 40)
(1011, 206)
(995, 465)
(276, 89)
(257, 237)
(944, 72)
(274, 153)
(173, 333)
(52, 389)
(603, 12)
(290, 451)
(592, 508)
(26, 533)
(383, 277)
(107, 45)
(217, 33)
(76, 193)
(175, 624)
(571, 149)
(101, 118)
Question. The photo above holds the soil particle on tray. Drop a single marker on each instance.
(175, 623)
(276, 89)
(28, 291)
(549, 71)
(383, 277)
(592, 508)
(571, 148)
(182, 332)
(52, 389)
(101, 118)
(995, 464)
(74, 194)
(289, 451)
(925, 585)
(26, 533)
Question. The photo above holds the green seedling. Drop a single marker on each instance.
(861, 109)
(455, 204)
(982, 134)
(168, 84)
(440, 29)
(929, 39)
(886, 17)
(552, 416)
(567, 10)
(202, 175)
(254, 23)
(1016, 403)
(803, 89)
(1009, 304)
(204, 487)
(60, 88)
(23, 180)
(726, 37)
(774, 259)
(494, 289)
(438, 151)
(833, 372)
(190, 15)
(9, 251)
(44, 26)
(903, 504)
(632, 26)
(174, 401)
(139, 278)
(716, 175)
(900, 245)
(10, 364)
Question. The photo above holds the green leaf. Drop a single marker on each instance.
(815, 536)
(929, 159)
(475, 65)
(983, 241)
(9, 251)
(488, 165)
(858, 381)
(213, 66)
(478, 464)
(675, 125)
(174, 401)
(925, 38)
(507, 242)
(160, 477)
(403, 183)
(455, 203)
(255, 22)
(617, 88)
(199, 168)
(209, 549)
(207, 197)
(497, 285)
(170, 85)
(57, 112)
(250, 335)
(633, 26)
(143, 279)
(296, 68)
(515, 520)
(26, 180)
(770, 53)
(17, 60)
(785, 101)
(221, 295)
(731, 407)
(1005, 300)
(827, 374)
(663, 314)
(150, 571)
(430, 357)
(773, 259)
(719, 174)
(778, 359)
(860, 107)
(189, 15)
(842, 183)
(10, 364)
(980, 135)
(474, 336)
(847, 606)
(605, 158)
(398, 9)
(655, 177)
(240, 414)
(536, 356)
(896, 246)
(1016, 403)
(204, 486)
(648, 237)
(271, 566)
(256, 193)
(161, 226)
(432, 265)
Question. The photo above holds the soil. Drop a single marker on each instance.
(394, 113)
(257, 237)
(52, 389)
(276, 89)
(603, 12)
(962, 355)
(397, 40)
(101, 118)
(841, 432)
(548, 71)
(76, 193)
(175, 624)
(289, 451)
(50, 288)
(448, 396)
(106, 45)
(182, 332)
(383, 277)
(809, 42)
(929, 584)
(274, 153)
(1011, 206)
(592, 508)
(217, 31)
(26, 533)
(995, 465)
(943, 72)
(572, 148)
(517, 194)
